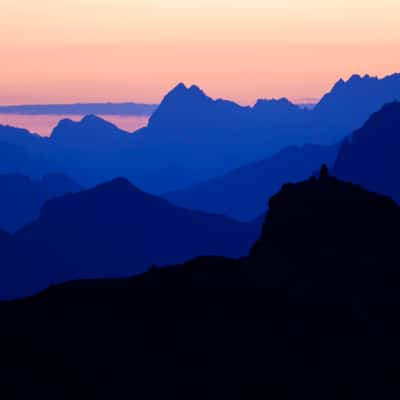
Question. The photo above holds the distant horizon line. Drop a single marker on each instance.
(78, 108)
(102, 108)
(132, 108)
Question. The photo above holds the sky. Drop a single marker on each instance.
(136, 50)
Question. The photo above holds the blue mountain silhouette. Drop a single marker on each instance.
(309, 314)
(22, 197)
(116, 230)
(191, 138)
(371, 156)
(80, 134)
(23, 152)
(353, 101)
(243, 193)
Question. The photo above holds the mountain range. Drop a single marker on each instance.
(112, 230)
(368, 157)
(192, 138)
(353, 101)
(244, 192)
(310, 313)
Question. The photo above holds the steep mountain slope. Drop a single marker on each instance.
(22, 197)
(311, 313)
(244, 192)
(371, 157)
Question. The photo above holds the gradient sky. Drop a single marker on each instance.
(118, 50)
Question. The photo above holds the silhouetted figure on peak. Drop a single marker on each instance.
(324, 172)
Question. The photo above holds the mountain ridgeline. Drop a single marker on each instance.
(368, 157)
(192, 138)
(310, 313)
(244, 192)
(22, 197)
(299, 304)
(114, 230)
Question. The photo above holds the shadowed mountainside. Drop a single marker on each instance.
(192, 138)
(23, 152)
(371, 156)
(22, 197)
(311, 313)
(116, 230)
(243, 193)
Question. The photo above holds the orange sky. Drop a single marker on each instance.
(136, 50)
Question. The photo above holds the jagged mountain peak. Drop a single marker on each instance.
(359, 95)
(182, 103)
(181, 92)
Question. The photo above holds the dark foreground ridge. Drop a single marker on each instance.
(311, 313)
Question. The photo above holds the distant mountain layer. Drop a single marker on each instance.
(311, 313)
(371, 156)
(81, 109)
(244, 193)
(22, 197)
(192, 138)
(116, 230)
(357, 98)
